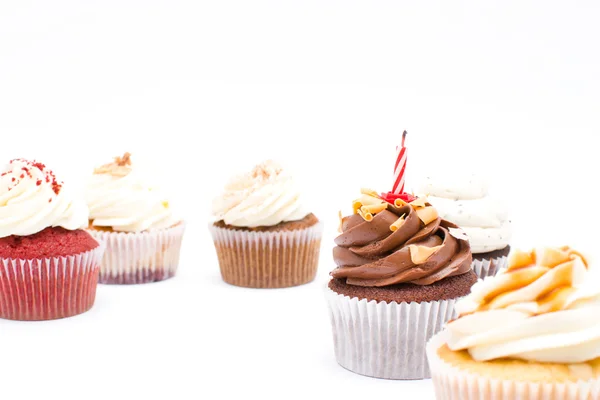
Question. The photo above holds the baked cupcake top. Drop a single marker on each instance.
(120, 198)
(32, 199)
(543, 308)
(386, 243)
(464, 200)
(265, 196)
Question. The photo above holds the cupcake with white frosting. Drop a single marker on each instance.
(464, 200)
(263, 234)
(48, 263)
(136, 221)
(531, 332)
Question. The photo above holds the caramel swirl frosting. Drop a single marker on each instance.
(384, 244)
(534, 283)
(543, 308)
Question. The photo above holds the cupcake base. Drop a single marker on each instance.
(490, 263)
(456, 377)
(144, 257)
(49, 288)
(379, 337)
(275, 257)
(138, 277)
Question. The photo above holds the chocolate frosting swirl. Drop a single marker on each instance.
(371, 254)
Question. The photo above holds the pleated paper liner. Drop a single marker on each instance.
(489, 266)
(49, 288)
(453, 383)
(385, 340)
(268, 259)
(143, 257)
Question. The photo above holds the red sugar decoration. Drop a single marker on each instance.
(48, 175)
(390, 197)
(13, 179)
(38, 165)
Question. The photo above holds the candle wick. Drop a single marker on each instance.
(404, 137)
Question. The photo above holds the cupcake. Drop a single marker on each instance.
(400, 270)
(263, 234)
(48, 264)
(142, 234)
(531, 332)
(465, 202)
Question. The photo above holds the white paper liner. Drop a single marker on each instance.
(49, 288)
(489, 267)
(142, 257)
(385, 340)
(452, 383)
(268, 259)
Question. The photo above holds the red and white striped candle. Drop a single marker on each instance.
(400, 168)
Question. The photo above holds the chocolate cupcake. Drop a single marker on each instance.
(48, 264)
(464, 200)
(136, 222)
(400, 269)
(263, 234)
(531, 332)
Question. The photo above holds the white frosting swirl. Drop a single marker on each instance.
(120, 198)
(31, 200)
(266, 196)
(543, 312)
(465, 202)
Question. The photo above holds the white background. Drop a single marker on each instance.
(198, 90)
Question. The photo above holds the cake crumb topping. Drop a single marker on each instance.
(121, 166)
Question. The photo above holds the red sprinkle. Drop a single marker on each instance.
(48, 175)
(38, 165)
(13, 179)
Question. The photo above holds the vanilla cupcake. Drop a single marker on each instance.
(464, 200)
(531, 332)
(142, 234)
(263, 234)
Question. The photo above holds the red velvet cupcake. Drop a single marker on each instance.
(48, 264)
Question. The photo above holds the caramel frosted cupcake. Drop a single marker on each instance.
(142, 234)
(531, 332)
(263, 235)
(48, 263)
(464, 200)
(400, 270)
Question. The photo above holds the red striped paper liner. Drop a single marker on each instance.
(140, 257)
(49, 288)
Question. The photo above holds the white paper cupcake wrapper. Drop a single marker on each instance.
(268, 259)
(385, 340)
(142, 257)
(49, 288)
(489, 267)
(452, 383)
